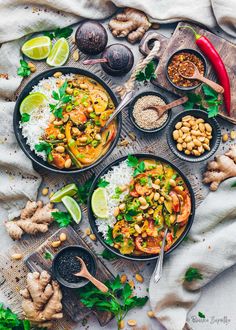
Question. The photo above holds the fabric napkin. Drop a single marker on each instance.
(211, 248)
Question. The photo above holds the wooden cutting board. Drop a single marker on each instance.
(71, 304)
(183, 38)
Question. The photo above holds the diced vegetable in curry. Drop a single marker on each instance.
(156, 198)
(75, 138)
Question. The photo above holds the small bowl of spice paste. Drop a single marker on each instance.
(65, 265)
(146, 119)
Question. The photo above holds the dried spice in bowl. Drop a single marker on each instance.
(145, 118)
(177, 62)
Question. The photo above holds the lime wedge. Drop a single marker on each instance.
(59, 53)
(68, 190)
(32, 102)
(73, 208)
(99, 203)
(37, 48)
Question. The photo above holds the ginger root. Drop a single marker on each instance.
(34, 218)
(131, 23)
(41, 300)
(220, 169)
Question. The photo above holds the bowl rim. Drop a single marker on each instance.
(92, 218)
(131, 109)
(201, 114)
(18, 131)
(195, 52)
(64, 282)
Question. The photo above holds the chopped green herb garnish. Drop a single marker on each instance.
(83, 190)
(109, 240)
(24, 69)
(44, 146)
(25, 117)
(62, 98)
(103, 183)
(148, 73)
(59, 33)
(62, 218)
(48, 256)
(201, 315)
(108, 255)
(192, 274)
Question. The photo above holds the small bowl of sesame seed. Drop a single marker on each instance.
(146, 119)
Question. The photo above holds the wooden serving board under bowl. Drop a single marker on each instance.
(184, 38)
(71, 304)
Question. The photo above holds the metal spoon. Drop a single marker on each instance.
(197, 75)
(161, 109)
(124, 102)
(159, 265)
(86, 274)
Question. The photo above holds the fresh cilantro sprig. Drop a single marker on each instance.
(119, 299)
(62, 218)
(25, 117)
(46, 147)
(83, 190)
(192, 274)
(108, 255)
(139, 167)
(48, 256)
(103, 183)
(24, 69)
(201, 315)
(59, 33)
(147, 73)
(208, 100)
(62, 98)
(11, 321)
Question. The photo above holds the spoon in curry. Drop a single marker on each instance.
(195, 74)
(86, 274)
(159, 265)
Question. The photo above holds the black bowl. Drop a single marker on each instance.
(131, 108)
(81, 252)
(214, 143)
(99, 235)
(16, 119)
(192, 51)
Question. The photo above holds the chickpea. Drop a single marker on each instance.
(187, 152)
(144, 235)
(157, 181)
(161, 199)
(139, 217)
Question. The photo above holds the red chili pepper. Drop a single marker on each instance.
(211, 53)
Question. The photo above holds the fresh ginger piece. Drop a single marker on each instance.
(131, 23)
(41, 300)
(220, 169)
(35, 218)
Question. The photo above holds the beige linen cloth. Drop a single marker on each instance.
(170, 298)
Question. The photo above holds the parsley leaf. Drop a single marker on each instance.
(201, 315)
(118, 299)
(62, 98)
(139, 167)
(11, 321)
(48, 256)
(192, 274)
(148, 73)
(25, 117)
(83, 190)
(24, 69)
(59, 33)
(109, 240)
(108, 255)
(103, 183)
(132, 161)
(43, 146)
(62, 218)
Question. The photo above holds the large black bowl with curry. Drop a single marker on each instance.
(22, 140)
(141, 256)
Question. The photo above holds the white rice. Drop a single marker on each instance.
(118, 176)
(39, 118)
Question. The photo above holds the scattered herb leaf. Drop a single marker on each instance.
(109, 240)
(201, 315)
(62, 98)
(103, 183)
(192, 274)
(24, 69)
(25, 117)
(62, 218)
(108, 255)
(48, 256)
(83, 190)
(59, 33)
(44, 146)
(11, 321)
(148, 73)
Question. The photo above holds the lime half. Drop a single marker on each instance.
(59, 53)
(73, 208)
(99, 203)
(32, 102)
(68, 190)
(37, 48)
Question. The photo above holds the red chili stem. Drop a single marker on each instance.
(211, 53)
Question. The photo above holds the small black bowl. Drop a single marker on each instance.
(214, 143)
(79, 251)
(131, 108)
(17, 117)
(100, 236)
(191, 51)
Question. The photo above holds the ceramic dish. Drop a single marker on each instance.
(97, 230)
(22, 140)
(214, 142)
